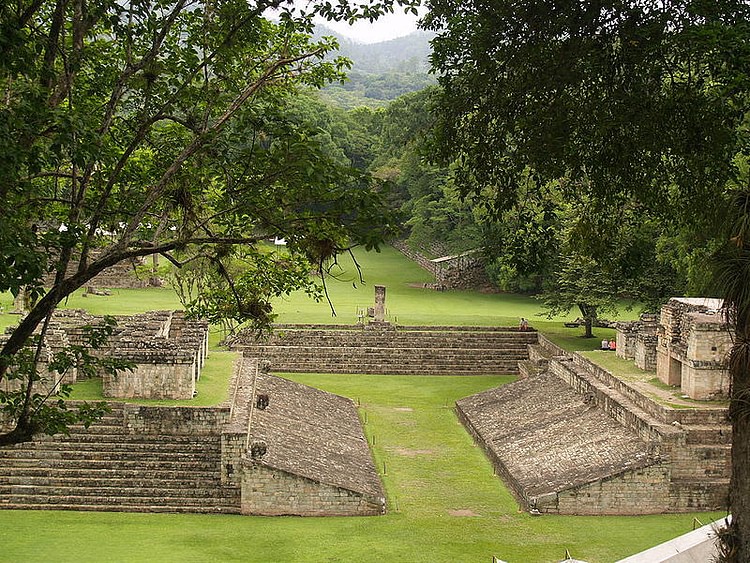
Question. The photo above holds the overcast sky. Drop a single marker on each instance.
(387, 27)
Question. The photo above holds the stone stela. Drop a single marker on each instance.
(379, 316)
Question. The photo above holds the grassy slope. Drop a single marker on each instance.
(432, 467)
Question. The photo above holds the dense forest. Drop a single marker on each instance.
(538, 245)
(380, 72)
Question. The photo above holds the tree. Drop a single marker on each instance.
(619, 100)
(161, 127)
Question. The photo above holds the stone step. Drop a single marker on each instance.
(707, 462)
(124, 441)
(458, 354)
(390, 370)
(139, 481)
(703, 494)
(614, 403)
(190, 491)
(708, 434)
(166, 503)
(86, 450)
(82, 468)
(198, 508)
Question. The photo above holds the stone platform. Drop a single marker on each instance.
(277, 447)
(315, 459)
(390, 349)
(573, 439)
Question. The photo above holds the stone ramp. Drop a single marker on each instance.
(315, 434)
(107, 468)
(545, 439)
(315, 458)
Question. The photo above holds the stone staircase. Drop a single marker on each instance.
(106, 468)
(391, 350)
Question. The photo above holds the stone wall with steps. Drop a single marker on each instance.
(689, 449)
(391, 350)
(119, 465)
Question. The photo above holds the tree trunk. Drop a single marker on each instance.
(589, 318)
(23, 432)
(737, 541)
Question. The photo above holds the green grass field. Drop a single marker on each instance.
(445, 505)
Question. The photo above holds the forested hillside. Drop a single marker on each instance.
(381, 72)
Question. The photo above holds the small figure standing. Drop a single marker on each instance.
(524, 325)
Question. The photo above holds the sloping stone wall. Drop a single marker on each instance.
(297, 450)
(462, 271)
(577, 440)
(546, 440)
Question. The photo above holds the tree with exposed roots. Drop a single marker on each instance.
(160, 127)
(619, 101)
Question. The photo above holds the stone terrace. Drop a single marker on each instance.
(572, 438)
(276, 447)
(386, 349)
(136, 459)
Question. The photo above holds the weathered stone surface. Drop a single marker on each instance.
(315, 434)
(693, 346)
(547, 439)
(136, 459)
(413, 350)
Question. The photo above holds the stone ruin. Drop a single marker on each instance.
(296, 450)
(460, 271)
(570, 437)
(636, 340)
(167, 350)
(688, 346)
(275, 447)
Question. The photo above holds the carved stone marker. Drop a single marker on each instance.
(379, 304)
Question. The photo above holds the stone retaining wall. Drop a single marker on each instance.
(189, 421)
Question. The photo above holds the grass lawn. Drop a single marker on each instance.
(445, 505)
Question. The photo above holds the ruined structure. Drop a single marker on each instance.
(688, 346)
(276, 447)
(302, 450)
(459, 271)
(389, 349)
(636, 340)
(167, 350)
(571, 438)
(694, 344)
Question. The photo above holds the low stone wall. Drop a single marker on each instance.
(642, 491)
(188, 421)
(163, 380)
(271, 492)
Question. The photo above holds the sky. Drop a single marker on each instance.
(385, 28)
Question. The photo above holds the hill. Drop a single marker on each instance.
(381, 72)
